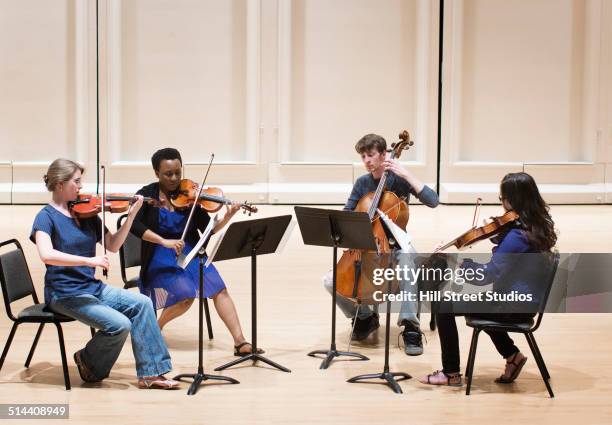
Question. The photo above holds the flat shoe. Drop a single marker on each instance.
(84, 372)
(440, 378)
(157, 383)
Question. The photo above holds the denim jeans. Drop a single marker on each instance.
(408, 310)
(115, 313)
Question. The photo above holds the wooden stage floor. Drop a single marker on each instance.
(294, 318)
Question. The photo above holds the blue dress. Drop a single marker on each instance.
(165, 282)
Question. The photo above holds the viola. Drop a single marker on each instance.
(87, 206)
(211, 199)
(476, 234)
(354, 268)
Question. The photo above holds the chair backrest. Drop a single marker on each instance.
(129, 253)
(550, 279)
(15, 276)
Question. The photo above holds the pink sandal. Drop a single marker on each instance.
(157, 383)
(440, 378)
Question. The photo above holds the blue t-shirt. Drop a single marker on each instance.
(70, 238)
(366, 184)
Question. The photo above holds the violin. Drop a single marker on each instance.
(210, 199)
(353, 271)
(476, 234)
(87, 206)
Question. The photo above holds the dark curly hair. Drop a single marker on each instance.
(163, 154)
(521, 192)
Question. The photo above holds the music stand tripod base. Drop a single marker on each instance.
(200, 377)
(254, 357)
(386, 376)
(331, 353)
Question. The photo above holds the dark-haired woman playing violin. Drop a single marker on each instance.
(169, 286)
(532, 233)
(67, 246)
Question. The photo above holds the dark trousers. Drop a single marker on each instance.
(449, 337)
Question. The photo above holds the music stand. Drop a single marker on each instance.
(199, 377)
(249, 239)
(386, 375)
(337, 229)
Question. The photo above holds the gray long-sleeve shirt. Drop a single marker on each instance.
(395, 184)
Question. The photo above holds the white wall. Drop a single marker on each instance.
(524, 90)
(281, 90)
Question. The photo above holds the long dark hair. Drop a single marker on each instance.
(521, 192)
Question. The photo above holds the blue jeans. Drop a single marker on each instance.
(115, 313)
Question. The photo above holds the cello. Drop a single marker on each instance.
(354, 268)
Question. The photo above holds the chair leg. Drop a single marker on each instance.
(34, 344)
(8, 343)
(60, 336)
(469, 370)
(208, 324)
(539, 354)
(539, 362)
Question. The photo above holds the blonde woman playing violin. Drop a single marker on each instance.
(67, 246)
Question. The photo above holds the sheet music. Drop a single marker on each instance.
(183, 261)
(216, 244)
(402, 237)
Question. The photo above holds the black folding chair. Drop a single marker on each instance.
(526, 328)
(17, 284)
(129, 256)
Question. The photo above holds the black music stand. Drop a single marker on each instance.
(338, 229)
(249, 239)
(386, 375)
(199, 377)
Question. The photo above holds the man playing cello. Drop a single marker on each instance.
(373, 151)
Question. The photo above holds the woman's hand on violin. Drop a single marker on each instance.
(135, 206)
(176, 244)
(99, 261)
(232, 209)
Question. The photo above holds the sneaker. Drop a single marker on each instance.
(364, 327)
(413, 340)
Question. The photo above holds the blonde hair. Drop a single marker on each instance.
(60, 171)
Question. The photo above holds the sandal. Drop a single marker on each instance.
(157, 383)
(84, 372)
(504, 379)
(239, 353)
(440, 378)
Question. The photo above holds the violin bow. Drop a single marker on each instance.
(103, 237)
(195, 203)
(476, 212)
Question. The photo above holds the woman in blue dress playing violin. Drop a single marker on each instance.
(169, 286)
